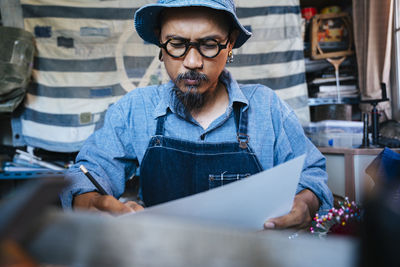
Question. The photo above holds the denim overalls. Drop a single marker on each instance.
(173, 168)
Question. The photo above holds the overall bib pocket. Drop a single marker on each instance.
(216, 180)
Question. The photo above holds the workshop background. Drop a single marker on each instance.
(88, 55)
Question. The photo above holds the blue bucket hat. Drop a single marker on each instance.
(146, 18)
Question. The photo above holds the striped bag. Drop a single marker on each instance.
(89, 56)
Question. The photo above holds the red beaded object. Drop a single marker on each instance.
(342, 221)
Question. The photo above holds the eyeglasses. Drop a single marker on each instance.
(178, 47)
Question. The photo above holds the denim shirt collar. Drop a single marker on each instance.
(168, 97)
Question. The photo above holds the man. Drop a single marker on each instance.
(184, 134)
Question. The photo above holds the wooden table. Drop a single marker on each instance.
(346, 170)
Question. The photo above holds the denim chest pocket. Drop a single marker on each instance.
(216, 180)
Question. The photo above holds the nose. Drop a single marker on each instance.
(193, 59)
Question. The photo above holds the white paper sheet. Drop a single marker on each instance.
(247, 203)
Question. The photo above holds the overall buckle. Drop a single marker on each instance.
(243, 140)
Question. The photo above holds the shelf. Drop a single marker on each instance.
(321, 64)
(324, 3)
(330, 101)
(23, 175)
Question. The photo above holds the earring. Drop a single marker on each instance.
(160, 56)
(230, 57)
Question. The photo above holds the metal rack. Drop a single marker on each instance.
(23, 175)
(329, 101)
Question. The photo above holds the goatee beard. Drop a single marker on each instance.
(190, 99)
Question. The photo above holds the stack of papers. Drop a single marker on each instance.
(245, 204)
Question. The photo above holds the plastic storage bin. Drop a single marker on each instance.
(335, 133)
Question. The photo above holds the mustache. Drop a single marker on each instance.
(191, 75)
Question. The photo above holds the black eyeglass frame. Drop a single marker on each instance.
(195, 45)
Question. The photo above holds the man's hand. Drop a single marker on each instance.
(107, 203)
(305, 205)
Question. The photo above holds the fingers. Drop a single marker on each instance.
(133, 205)
(269, 225)
(299, 217)
(287, 221)
(96, 201)
(110, 204)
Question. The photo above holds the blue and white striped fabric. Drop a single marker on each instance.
(273, 56)
(89, 55)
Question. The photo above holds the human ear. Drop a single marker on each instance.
(160, 57)
(157, 32)
(232, 38)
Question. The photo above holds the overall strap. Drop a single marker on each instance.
(241, 119)
(160, 125)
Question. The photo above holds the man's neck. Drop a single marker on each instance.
(214, 106)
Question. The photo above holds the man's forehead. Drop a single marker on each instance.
(183, 13)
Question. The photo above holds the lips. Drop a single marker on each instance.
(191, 82)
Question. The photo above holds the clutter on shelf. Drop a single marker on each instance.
(27, 165)
(335, 133)
(331, 66)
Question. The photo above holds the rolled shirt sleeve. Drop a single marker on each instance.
(107, 155)
(290, 143)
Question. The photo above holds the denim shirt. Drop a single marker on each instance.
(113, 153)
